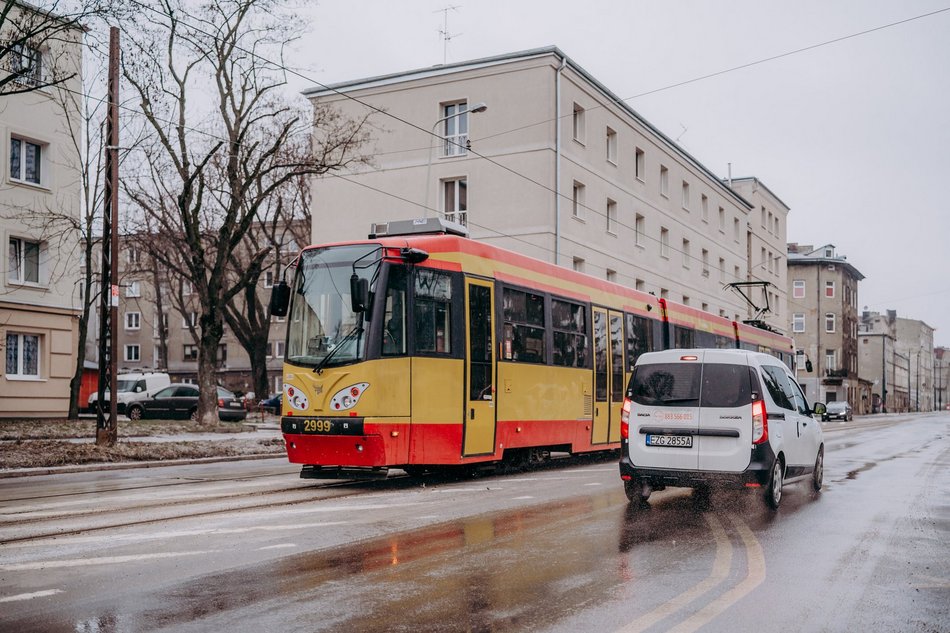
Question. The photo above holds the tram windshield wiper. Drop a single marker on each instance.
(356, 331)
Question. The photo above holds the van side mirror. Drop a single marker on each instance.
(819, 408)
(359, 293)
(280, 299)
(808, 365)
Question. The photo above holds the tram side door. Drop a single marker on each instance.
(608, 375)
(479, 369)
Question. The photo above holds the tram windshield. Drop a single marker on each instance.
(323, 329)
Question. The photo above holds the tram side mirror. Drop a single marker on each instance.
(359, 292)
(280, 299)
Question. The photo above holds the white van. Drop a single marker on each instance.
(132, 388)
(700, 418)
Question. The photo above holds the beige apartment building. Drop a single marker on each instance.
(898, 356)
(823, 315)
(39, 206)
(532, 153)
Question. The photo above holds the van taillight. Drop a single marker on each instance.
(760, 422)
(625, 418)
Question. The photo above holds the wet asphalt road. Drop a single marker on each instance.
(248, 547)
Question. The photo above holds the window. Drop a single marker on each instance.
(798, 289)
(762, 211)
(394, 319)
(611, 216)
(27, 63)
(24, 261)
(569, 321)
(722, 219)
(685, 253)
(704, 207)
(831, 360)
(578, 122)
(269, 350)
(133, 289)
(640, 285)
(639, 228)
(26, 160)
(523, 314)
(798, 322)
(578, 264)
(190, 352)
(664, 242)
(611, 146)
(433, 312)
(269, 279)
(133, 320)
(722, 270)
(735, 229)
(705, 258)
(686, 195)
(639, 164)
(133, 255)
(771, 224)
(830, 289)
(577, 203)
(455, 128)
(191, 320)
(829, 322)
(664, 181)
(23, 355)
(187, 288)
(455, 200)
(132, 353)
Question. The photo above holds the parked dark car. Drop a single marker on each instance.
(838, 411)
(181, 402)
(272, 404)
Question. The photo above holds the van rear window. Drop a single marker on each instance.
(689, 385)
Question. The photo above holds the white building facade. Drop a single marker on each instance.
(535, 155)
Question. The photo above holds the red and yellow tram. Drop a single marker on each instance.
(420, 349)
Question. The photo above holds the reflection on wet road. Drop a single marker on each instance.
(564, 551)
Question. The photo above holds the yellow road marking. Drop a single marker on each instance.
(755, 575)
(719, 572)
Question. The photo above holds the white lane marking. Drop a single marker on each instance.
(594, 483)
(522, 498)
(30, 596)
(281, 546)
(718, 573)
(100, 560)
(755, 575)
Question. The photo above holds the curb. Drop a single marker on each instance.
(94, 466)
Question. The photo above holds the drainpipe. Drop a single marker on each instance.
(557, 162)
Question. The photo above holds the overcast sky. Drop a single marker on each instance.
(854, 136)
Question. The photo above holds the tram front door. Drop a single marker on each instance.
(479, 369)
(608, 375)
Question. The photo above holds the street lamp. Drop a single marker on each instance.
(481, 106)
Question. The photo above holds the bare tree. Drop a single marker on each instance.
(30, 39)
(217, 159)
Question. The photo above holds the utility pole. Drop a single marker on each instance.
(106, 426)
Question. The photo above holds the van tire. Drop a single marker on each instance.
(193, 415)
(819, 473)
(636, 490)
(773, 492)
(135, 413)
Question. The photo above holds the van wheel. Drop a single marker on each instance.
(637, 490)
(819, 473)
(193, 416)
(135, 413)
(773, 494)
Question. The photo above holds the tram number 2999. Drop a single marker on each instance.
(317, 426)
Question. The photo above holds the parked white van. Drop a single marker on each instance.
(132, 388)
(701, 418)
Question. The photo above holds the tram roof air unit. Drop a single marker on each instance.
(419, 226)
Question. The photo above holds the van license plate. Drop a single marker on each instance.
(676, 441)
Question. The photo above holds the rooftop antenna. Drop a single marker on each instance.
(444, 31)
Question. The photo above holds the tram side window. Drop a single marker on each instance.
(433, 312)
(394, 328)
(524, 326)
(639, 338)
(682, 337)
(569, 321)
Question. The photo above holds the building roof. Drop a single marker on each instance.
(758, 183)
(817, 257)
(485, 62)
